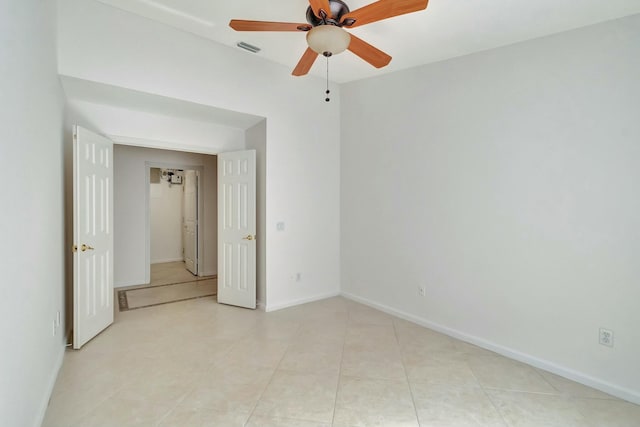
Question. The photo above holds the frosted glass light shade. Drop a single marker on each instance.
(328, 38)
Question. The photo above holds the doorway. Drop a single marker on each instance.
(173, 217)
(132, 254)
(174, 207)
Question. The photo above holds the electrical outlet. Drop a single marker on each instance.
(606, 337)
(422, 291)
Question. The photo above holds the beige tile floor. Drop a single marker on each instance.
(168, 273)
(329, 363)
(171, 272)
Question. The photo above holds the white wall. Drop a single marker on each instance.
(129, 221)
(506, 183)
(107, 45)
(31, 220)
(144, 128)
(165, 212)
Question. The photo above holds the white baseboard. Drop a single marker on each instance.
(291, 303)
(129, 283)
(612, 389)
(208, 273)
(162, 261)
(51, 384)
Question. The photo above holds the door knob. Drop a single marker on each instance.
(249, 237)
(84, 248)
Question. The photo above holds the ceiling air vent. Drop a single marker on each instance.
(246, 46)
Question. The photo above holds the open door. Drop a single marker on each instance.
(92, 235)
(237, 228)
(190, 221)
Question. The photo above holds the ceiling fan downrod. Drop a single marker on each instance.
(327, 99)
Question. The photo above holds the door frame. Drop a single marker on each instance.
(257, 141)
(147, 210)
(198, 220)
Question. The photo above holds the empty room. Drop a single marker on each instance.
(407, 213)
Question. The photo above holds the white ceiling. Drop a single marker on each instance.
(446, 29)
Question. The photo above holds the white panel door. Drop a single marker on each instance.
(237, 228)
(92, 235)
(190, 225)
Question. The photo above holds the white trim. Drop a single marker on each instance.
(49, 390)
(207, 273)
(163, 145)
(130, 283)
(161, 261)
(612, 389)
(292, 303)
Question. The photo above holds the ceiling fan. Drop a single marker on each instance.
(325, 29)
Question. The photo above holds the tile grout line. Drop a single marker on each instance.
(404, 368)
(484, 390)
(190, 390)
(85, 414)
(173, 408)
(270, 379)
(344, 343)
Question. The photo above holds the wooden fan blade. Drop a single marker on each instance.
(306, 62)
(372, 55)
(383, 9)
(316, 5)
(242, 25)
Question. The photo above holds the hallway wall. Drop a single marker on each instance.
(165, 211)
(31, 219)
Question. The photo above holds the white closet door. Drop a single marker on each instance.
(92, 235)
(237, 228)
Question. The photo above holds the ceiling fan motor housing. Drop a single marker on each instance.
(338, 10)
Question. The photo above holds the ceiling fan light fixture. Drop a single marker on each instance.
(328, 40)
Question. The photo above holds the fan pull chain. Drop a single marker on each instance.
(327, 99)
